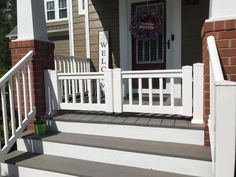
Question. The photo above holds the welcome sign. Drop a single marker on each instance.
(103, 53)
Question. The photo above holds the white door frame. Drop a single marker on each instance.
(173, 26)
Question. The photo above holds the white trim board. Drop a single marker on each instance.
(173, 25)
(175, 135)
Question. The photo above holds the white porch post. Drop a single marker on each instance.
(222, 10)
(31, 22)
(187, 91)
(198, 78)
(117, 90)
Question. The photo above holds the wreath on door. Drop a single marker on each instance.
(146, 24)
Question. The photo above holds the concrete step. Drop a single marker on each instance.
(144, 127)
(34, 165)
(162, 156)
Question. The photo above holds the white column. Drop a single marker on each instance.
(87, 29)
(31, 23)
(222, 10)
(198, 69)
(71, 28)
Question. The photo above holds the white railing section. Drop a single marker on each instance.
(222, 118)
(15, 116)
(169, 91)
(70, 64)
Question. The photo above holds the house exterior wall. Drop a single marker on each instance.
(79, 31)
(193, 18)
(61, 44)
(225, 35)
(104, 15)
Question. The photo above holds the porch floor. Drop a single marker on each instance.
(135, 119)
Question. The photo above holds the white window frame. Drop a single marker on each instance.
(56, 4)
(80, 7)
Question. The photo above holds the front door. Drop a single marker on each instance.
(149, 54)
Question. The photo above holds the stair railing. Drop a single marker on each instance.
(222, 118)
(16, 102)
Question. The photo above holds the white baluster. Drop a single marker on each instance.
(150, 91)
(98, 92)
(172, 92)
(81, 87)
(4, 115)
(90, 91)
(18, 96)
(140, 91)
(25, 93)
(66, 91)
(12, 108)
(130, 92)
(161, 91)
(29, 67)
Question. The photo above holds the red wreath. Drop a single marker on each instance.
(146, 24)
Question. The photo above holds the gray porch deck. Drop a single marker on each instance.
(135, 119)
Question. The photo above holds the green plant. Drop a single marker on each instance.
(39, 119)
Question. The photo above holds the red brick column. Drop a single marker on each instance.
(43, 59)
(225, 35)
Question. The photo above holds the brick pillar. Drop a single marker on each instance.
(43, 60)
(225, 35)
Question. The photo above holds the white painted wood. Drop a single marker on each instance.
(172, 92)
(140, 94)
(222, 10)
(87, 29)
(31, 22)
(29, 69)
(198, 86)
(150, 91)
(103, 50)
(12, 107)
(109, 91)
(66, 91)
(119, 157)
(161, 91)
(130, 91)
(225, 131)
(25, 92)
(71, 27)
(187, 91)
(89, 91)
(98, 92)
(81, 87)
(18, 97)
(186, 136)
(84, 106)
(117, 90)
(4, 114)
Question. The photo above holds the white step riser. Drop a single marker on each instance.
(140, 160)
(17, 171)
(185, 136)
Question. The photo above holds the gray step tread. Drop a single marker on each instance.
(132, 145)
(80, 168)
(132, 119)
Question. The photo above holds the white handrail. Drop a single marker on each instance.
(214, 59)
(222, 117)
(10, 82)
(14, 69)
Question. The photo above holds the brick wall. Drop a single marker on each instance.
(225, 35)
(43, 59)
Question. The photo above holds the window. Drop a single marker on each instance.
(56, 10)
(81, 4)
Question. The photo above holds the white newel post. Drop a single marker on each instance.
(198, 78)
(109, 90)
(187, 91)
(117, 90)
(52, 95)
(225, 118)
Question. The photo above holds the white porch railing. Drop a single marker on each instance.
(169, 91)
(222, 118)
(20, 73)
(70, 64)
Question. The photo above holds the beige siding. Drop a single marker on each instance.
(79, 31)
(61, 45)
(104, 15)
(193, 17)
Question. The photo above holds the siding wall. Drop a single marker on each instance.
(104, 15)
(193, 18)
(61, 45)
(79, 31)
